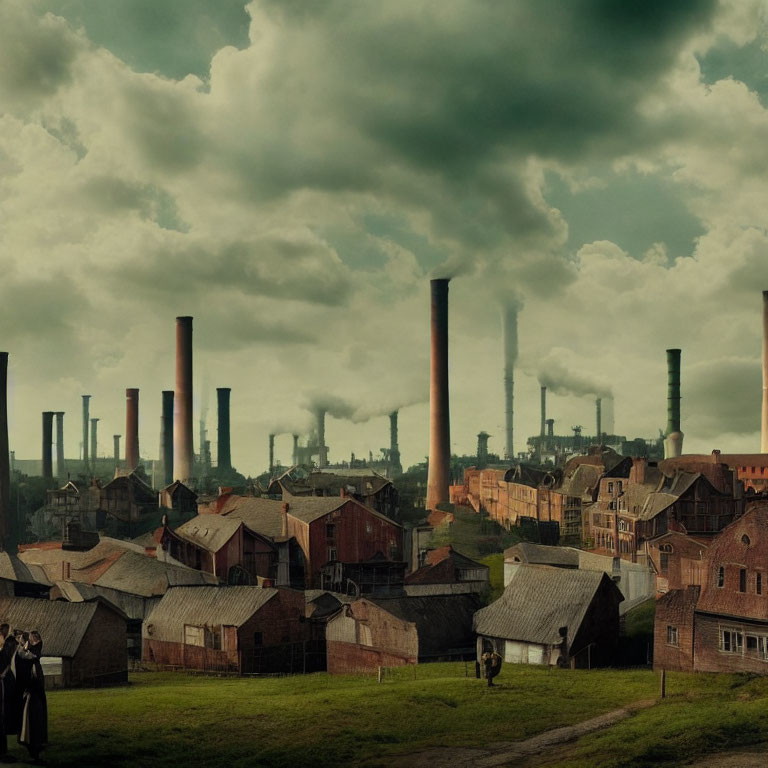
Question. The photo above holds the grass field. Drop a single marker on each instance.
(166, 719)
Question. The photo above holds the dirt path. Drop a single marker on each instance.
(513, 752)
(754, 757)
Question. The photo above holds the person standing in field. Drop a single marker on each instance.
(33, 733)
(7, 696)
(492, 663)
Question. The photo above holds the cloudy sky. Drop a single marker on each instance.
(291, 173)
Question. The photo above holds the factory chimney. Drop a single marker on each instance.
(116, 439)
(543, 411)
(295, 450)
(322, 455)
(131, 429)
(673, 445)
(438, 478)
(94, 441)
(86, 416)
(509, 322)
(48, 445)
(271, 454)
(550, 427)
(166, 434)
(764, 415)
(6, 527)
(599, 415)
(223, 456)
(396, 468)
(59, 444)
(182, 403)
(482, 450)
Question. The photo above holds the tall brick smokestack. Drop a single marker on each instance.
(599, 416)
(116, 439)
(509, 329)
(48, 445)
(223, 456)
(182, 403)
(543, 411)
(295, 459)
(60, 469)
(86, 417)
(764, 415)
(94, 440)
(271, 453)
(673, 445)
(131, 429)
(166, 432)
(438, 479)
(7, 532)
(322, 458)
(396, 467)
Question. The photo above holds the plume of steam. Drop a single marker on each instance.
(340, 408)
(555, 376)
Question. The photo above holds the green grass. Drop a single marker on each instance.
(496, 565)
(473, 535)
(639, 620)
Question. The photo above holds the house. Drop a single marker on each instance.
(677, 559)
(17, 579)
(179, 499)
(83, 643)
(128, 500)
(552, 616)
(721, 626)
(446, 571)
(372, 632)
(241, 629)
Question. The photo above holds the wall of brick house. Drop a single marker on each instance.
(348, 659)
(103, 650)
(665, 656)
(708, 657)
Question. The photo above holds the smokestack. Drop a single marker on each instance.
(599, 415)
(673, 445)
(482, 450)
(48, 445)
(86, 416)
(60, 444)
(271, 454)
(438, 478)
(182, 403)
(116, 439)
(764, 415)
(223, 457)
(166, 431)
(543, 411)
(131, 429)
(396, 468)
(509, 329)
(7, 532)
(550, 427)
(94, 441)
(322, 458)
(295, 450)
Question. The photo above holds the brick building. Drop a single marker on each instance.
(723, 625)
(446, 571)
(751, 468)
(677, 559)
(239, 629)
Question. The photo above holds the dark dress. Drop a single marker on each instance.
(9, 720)
(34, 719)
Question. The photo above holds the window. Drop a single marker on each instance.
(759, 583)
(610, 487)
(664, 562)
(331, 554)
(742, 579)
(194, 635)
(618, 486)
(720, 576)
(671, 635)
(330, 531)
(745, 540)
(731, 641)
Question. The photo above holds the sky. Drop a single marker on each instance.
(292, 173)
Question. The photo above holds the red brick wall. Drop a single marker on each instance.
(672, 657)
(103, 652)
(706, 646)
(348, 659)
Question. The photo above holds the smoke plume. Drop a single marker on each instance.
(555, 376)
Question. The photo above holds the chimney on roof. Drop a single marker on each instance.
(439, 469)
(673, 445)
(86, 417)
(223, 456)
(543, 411)
(116, 440)
(284, 519)
(48, 445)
(637, 473)
(764, 414)
(66, 570)
(60, 470)
(6, 528)
(94, 440)
(295, 459)
(599, 416)
(166, 432)
(715, 456)
(131, 429)
(182, 403)
(271, 454)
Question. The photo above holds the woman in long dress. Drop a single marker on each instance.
(34, 720)
(8, 718)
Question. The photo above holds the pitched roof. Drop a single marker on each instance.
(539, 601)
(579, 480)
(14, 569)
(62, 625)
(211, 532)
(436, 557)
(204, 606)
(542, 554)
(133, 606)
(671, 489)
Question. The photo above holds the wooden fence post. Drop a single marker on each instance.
(379, 674)
(663, 683)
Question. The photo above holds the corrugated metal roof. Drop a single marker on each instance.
(211, 532)
(133, 606)
(203, 606)
(61, 624)
(14, 569)
(542, 554)
(538, 601)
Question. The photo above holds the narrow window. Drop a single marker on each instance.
(664, 562)
(720, 576)
(330, 530)
(759, 583)
(331, 554)
(742, 580)
(671, 635)
(610, 487)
